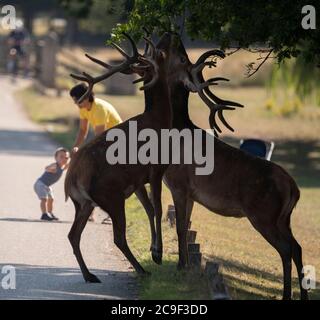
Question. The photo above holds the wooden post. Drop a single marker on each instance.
(217, 288)
(48, 62)
(171, 215)
(3, 53)
(194, 253)
(191, 236)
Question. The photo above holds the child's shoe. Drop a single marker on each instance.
(53, 216)
(46, 217)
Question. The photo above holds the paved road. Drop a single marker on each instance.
(40, 251)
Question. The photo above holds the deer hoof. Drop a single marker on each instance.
(145, 274)
(91, 278)
(182, 266)
(157, 257)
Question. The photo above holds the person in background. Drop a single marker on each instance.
(52, 174)
(94, 112)
(17, 40)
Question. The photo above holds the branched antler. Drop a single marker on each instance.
(129, 60)
(216, 105)
(148, 64)
(134, 62)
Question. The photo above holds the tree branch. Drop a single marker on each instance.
(250, 66)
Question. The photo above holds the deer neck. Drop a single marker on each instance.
(157, 102)
(179, 101)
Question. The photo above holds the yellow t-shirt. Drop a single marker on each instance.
(101, 113)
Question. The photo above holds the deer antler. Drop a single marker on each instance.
(216, 105)
(148, 62)
(129, 60)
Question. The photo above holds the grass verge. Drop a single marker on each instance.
(251, 267)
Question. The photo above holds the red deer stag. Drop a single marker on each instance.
(91, 181)
(240, 185)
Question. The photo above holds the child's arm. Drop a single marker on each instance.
(66, 166)
(51, 168)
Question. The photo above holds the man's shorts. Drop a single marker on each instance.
(42, 190)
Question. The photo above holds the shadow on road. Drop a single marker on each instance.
(31, 143)
(32, 220)
(44, 283)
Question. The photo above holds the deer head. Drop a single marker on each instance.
(182, 71)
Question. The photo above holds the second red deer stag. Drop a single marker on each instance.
(240, 185)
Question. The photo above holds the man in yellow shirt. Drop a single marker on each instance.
(98, 113)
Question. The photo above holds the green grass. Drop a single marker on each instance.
(250, 266)
(166, 282)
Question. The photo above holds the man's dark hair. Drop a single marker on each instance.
(79, 90)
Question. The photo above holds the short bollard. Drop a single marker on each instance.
(171, 215)
(191, 236)
(194, 255)
(193, 247)
(217, 288)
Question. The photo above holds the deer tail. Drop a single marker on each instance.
(78, 175)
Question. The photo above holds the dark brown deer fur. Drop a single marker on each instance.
(240, 186)
(91, 181)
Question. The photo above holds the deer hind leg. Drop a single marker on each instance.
(81, 217)
(284, 226)
(114, 205)
(143, 197)
(297, 258)
(284, 247)
(156, 188)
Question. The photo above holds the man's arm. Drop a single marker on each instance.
(99, 129)
(66, 166)
(82, 133)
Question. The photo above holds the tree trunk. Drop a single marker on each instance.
(72, 30)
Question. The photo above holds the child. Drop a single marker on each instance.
(52, 174)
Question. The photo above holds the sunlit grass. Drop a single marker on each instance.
(251, 267)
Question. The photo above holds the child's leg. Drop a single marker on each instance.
(50, 205)
(43, 205)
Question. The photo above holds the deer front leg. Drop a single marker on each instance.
(182, 221)
(156, 188)
(114, 205)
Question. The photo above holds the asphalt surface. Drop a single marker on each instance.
(40, 251)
